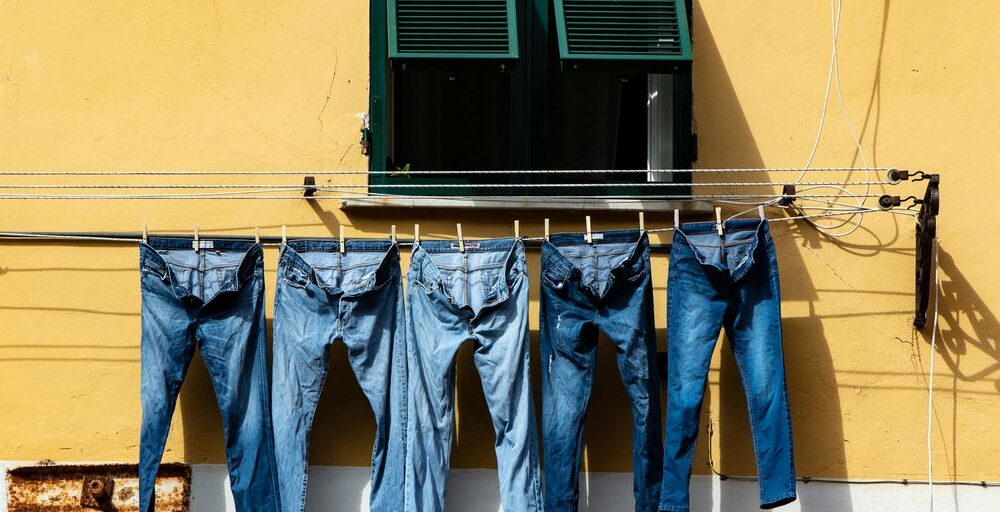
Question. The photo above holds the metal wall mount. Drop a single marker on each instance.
(926, 236)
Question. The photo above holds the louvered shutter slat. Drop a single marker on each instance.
(633, 32)
(452, 29)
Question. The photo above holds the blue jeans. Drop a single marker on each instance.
(729, 282)
(356, 297)
(587, 288)
(214, 299)
(481, 296)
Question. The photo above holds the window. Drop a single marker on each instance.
(529, 85)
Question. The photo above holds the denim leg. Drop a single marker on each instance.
(754, 330)
(568, 342)
(695, 312)
(502, 359)
(166, 351)
(635, 345)
(233, 345)
(375, 338)
(435, 333)
(304, 327)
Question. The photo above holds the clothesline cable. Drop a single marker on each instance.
(443, 172)
(494, 199)
(275, 240)
(444, 185)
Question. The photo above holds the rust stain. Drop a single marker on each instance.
(111, 487)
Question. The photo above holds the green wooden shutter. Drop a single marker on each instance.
(452, 30)
(638, 34)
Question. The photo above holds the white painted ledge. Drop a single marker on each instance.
(475, 490)
(527, 203)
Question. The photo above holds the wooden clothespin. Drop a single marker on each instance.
(196, 244)
(590, 235)
(392, 233)
(760, 210)
(517, 229)
(284, 234)
(642, 221)
(718, 220)
(341, 245)
(256, 234)
(546, 229)
(145, 232)
(677, 218)
(416, 234)
(461, 240)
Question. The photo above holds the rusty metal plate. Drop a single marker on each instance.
(83, 488)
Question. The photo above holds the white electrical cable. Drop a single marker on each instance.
(930, 380)
(833, 74)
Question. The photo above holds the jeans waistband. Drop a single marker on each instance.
(206, 243)
(699, 228)
(599, 237)
(362, 244)
(151, 259)
(556, 265)
(483, 245)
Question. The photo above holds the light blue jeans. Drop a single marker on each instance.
(212, 299)
(728, 282)
(356, 297)
(479, 296)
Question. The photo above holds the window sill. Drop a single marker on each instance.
(528, 203)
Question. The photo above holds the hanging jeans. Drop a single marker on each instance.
(213, 299)
(356, 297)
(729, 282)
(586, 288)
(481, 296)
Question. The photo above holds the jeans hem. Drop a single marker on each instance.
(674, 508)
(781, 500)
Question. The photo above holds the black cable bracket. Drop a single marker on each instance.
(925, 238)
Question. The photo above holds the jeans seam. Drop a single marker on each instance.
(750, 409)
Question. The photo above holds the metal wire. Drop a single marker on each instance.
(445, 185)
(131, 238)
(460, 172)
(564, 199)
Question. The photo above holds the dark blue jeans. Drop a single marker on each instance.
(586, 288)
(212, 299)
(356, 297)
(726, 282)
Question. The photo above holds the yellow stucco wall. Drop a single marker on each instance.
(280, 84)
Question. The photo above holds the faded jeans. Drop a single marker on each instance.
(479, 296)
(356, 297)
(588, 288)
(728, 282)
(212, 299)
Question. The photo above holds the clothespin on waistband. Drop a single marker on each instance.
(196, 244)
(642, 221)
(284, 234)
(517, 228)
(546, 229)
(677, 218)
(461, 239)
(341, 245)
(256, 234)
(760, 210)
(416, 234)
(718, 220)
(145, 232)
(590, 235)
(392, 233)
